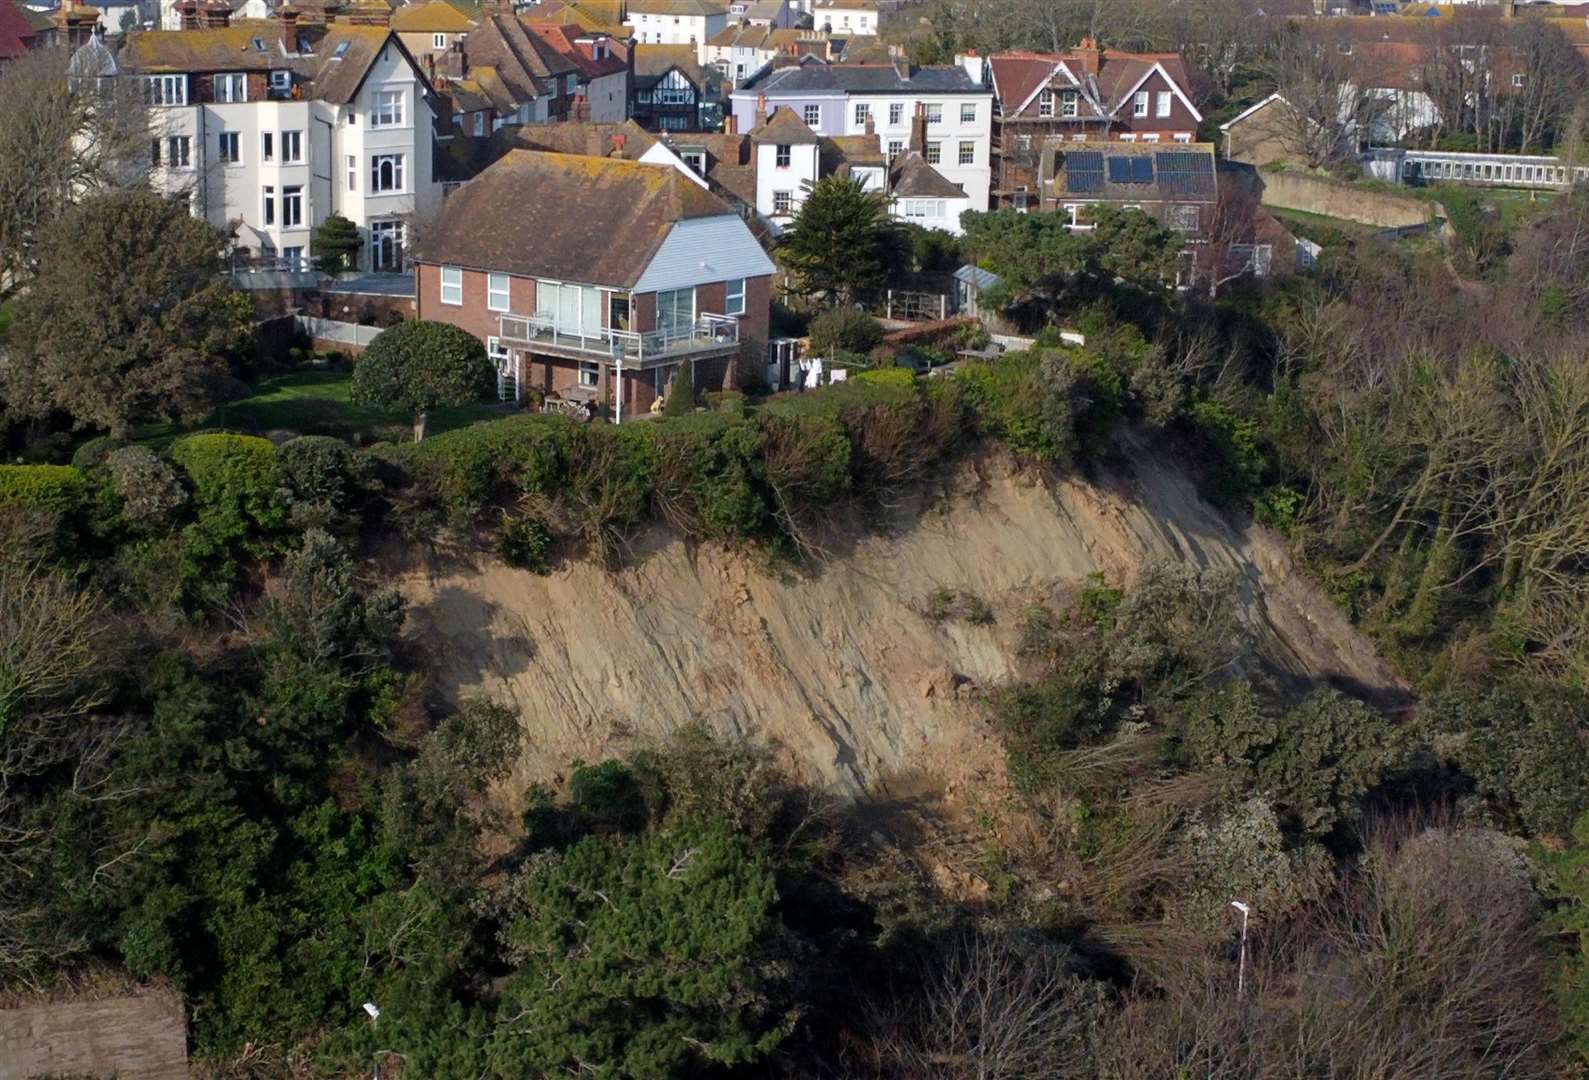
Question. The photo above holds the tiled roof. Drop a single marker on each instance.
(586, 14)
(1018, 75)
(911, 176)
(690, 8)
(435, 17)
(16, 33)
(866, 79)
(784, 128)
(845, 5)
(523, 61)
(568, 217)
(588, 139)
(564, 39)
(651, 62)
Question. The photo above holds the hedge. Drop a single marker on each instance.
(241, 507)
(56, 488)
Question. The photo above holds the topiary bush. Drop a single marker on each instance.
(320, 469)
(92, 453)
(845, 330)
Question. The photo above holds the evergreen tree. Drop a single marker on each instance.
(842, 239)
(336, 245)
(419, 365)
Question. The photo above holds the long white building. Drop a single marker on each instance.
(272, 127)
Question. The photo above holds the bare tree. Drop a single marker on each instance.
(1330, 101)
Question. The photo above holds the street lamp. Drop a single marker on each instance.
(1241, 966)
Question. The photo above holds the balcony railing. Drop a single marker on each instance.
(708, 333)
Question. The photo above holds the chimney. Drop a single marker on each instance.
(761, 109)
(189, 11)
(618, 142)
(902, 67)
(731, 123)
(1092, 55)
(918, 128)
(331, 12)
(287, 17)
(216, 15)
(871, 124)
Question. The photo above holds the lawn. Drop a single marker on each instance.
(319, 403)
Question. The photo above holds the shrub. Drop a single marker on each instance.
(845, 330)
(526, 542)
(149, 489)
(945, 604)
(895, 377)
(92, 453)
(681, 391)
(57, 489)
(320, 469)
(1236, 467)
(240, 503)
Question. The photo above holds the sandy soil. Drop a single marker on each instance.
(839, 667)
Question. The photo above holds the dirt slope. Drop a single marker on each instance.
(840, 667)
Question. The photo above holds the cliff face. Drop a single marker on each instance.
(839, 666)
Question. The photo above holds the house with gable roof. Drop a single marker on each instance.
(1086, 94)
(502, 73)
(606, 69)
(269, 127)
(430, 28)
(601, 307)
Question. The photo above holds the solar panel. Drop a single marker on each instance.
(1119, 169)
(1184, 173)
(1142, 170)
(1084, 171)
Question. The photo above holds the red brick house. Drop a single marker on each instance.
(591, 279)
(1085, 95)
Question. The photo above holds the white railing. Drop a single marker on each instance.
(707, 332)
(1454, 167)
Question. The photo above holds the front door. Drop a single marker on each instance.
(386, 246)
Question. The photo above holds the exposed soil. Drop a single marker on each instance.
(839, 666)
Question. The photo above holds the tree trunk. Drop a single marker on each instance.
(419, 426)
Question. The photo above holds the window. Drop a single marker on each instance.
(812, 114)
(734, 297)
(1139, 103)
(498, 353)
(166, 89)
(1517, 80)
(227, 149)
(922, 208)
(968, 153)
(895, 147)
(1183, 136)
(439, 41)
(386, 108)
(862, 112)
(934, 153)
(267, 204)
(783, 202)
(386, 172)
(178, 152)
(386, 245)
(1128, 137)
(934, 114)
(968, 113)
(675, 310)
(497, 292)
(267, 147)
(1152, 136)
(896, 113)
(452, 285)
(781, 156)
(1161, 106)
(1045, 103)
(292, 206)
(696, 160)
(292, 148)
(480, 122)
(353, 173)
(589, 373)
(293, 257)
(281, 81)
(229, 88)
(154, 153)
(1079, 137)
(1069, 102)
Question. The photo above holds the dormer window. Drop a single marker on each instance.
(696, 160)
(305, 46)
(281, 81)
(1045, 103)
(1068, 103)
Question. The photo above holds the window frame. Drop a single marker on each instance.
(267, 205)
(397, 167)
(231, 81)
(782, 203)
(730, 295)
(812, 115)
(861, 112)
(1045, 103)
(967, 153)
(933, 153)
(352, 177)
(165, 89)
(1163, 104)
(1139, 103)
(456, 287)
(934, 112)
(492, 292)
(439, 41)
(968, 112)
(292, 198)
(292, 147)
(281, 81)
(782, 155)
(222, 139)
(388, 109)
(1070, 104)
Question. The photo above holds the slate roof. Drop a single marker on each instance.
(233, 48)
(911, 176)
(694, 8)
(594, 220)
(866, 79)
(784, 128)
(435, 17)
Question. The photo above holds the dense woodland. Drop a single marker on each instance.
(222, 767)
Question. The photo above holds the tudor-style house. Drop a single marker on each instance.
(591, 279)
(270, 127)
(669, 88)
(862, 99)
(1087, 94)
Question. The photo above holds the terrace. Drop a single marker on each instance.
(706, 335)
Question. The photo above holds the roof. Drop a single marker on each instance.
(255, 45)
(1102, 77)
(766, 9)
(730, 168)
(16, 32)
(1132, 172)
(435, 17)
(784, 128)
(1250, 110)
(569, 217)
(684, 8)
(651, 62)
(866, 79)
(587, 139)
(975, 275)
(845, 5)
(565, 39)
(523, 61)
(857, 149)
(594, 16)
(910, 176)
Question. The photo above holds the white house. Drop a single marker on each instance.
(271, 128)
(845, 17)
(676, 22)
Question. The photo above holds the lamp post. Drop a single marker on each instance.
(1241, 964)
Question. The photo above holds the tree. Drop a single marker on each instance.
(336, 245)
(127, 320)
(842, 239)
(61, 139)
(681, 391)
(648, 956)
(1328, 100)
(417, 366)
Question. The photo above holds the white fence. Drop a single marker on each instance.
(344, 333)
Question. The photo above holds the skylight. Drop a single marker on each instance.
(259, 44)
(342, 50)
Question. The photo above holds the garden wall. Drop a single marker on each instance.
(1332, 198)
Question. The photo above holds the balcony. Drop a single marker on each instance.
(707, 335)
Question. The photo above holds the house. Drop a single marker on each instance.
(860, 99)
(742, 52)
(592, 16)
(432, 28)
(501, 73)
(1087, 94)
(676, 22)
(18, 33)
(670, 88)
(592, 279)
(602, 92)
(270, 127)
(846, 17)
(1262, 133)
(776, 14)
(1176, 184)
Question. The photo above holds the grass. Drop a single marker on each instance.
(317, 403)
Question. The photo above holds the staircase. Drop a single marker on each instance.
(507, 379)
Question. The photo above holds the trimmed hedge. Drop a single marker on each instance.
(241, 509)
(55, 488)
